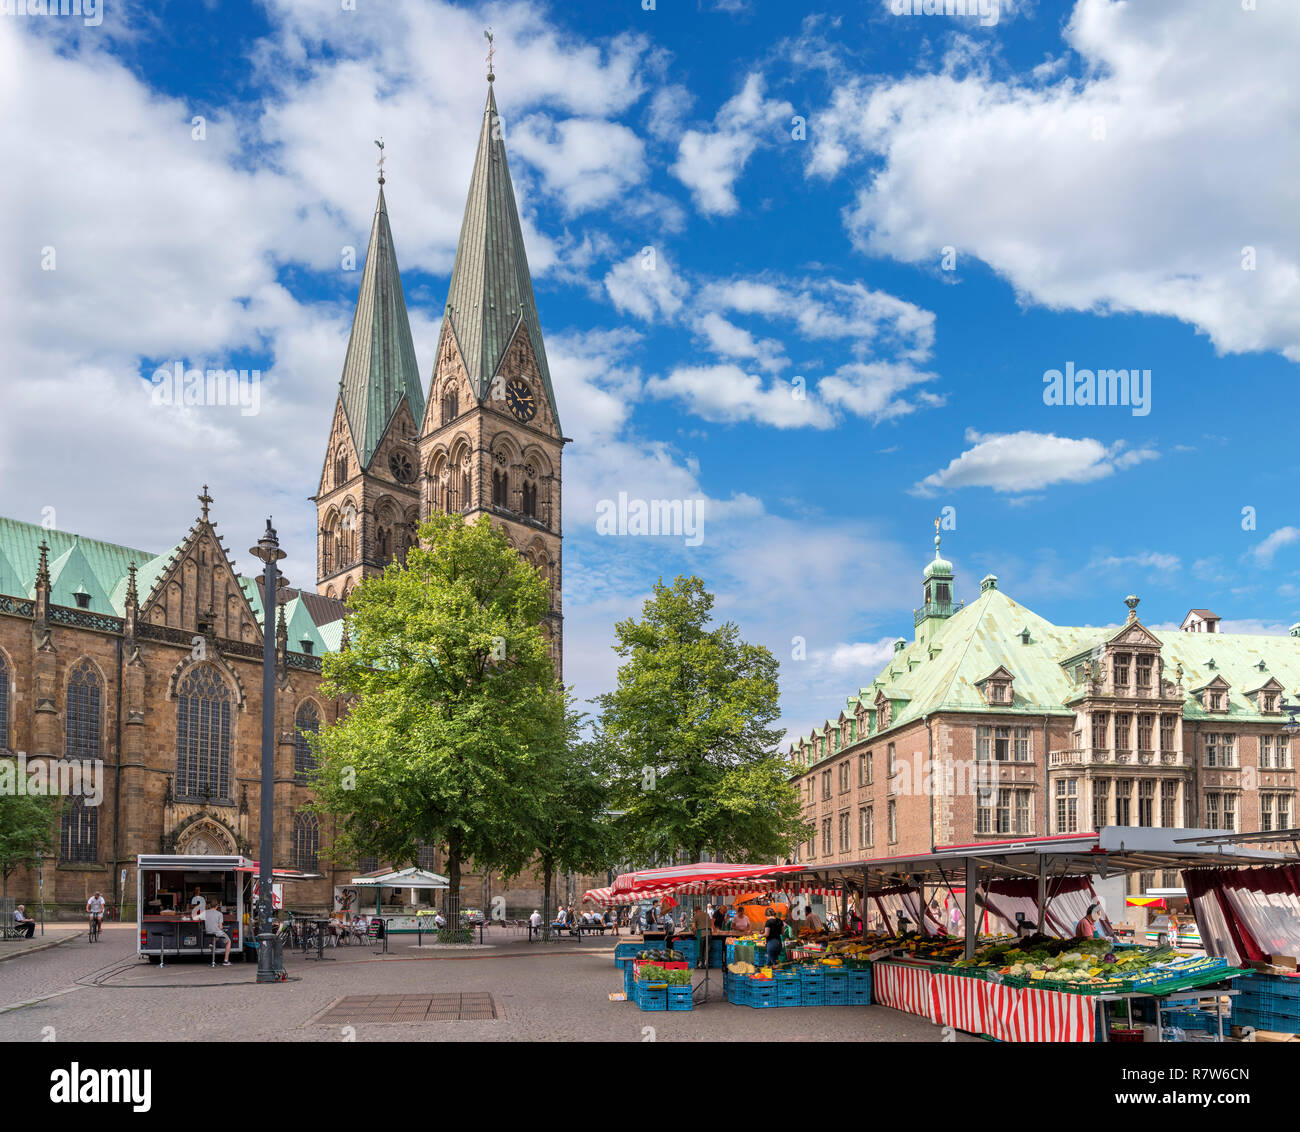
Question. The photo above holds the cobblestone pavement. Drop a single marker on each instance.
(101, 992)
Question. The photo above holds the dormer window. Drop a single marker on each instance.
(1216, 702)
(306, 646)
(83, 600)
(997, 693)
(1268, 701)
(997, 688)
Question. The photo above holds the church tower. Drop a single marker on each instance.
(490, 439)
(369, 495)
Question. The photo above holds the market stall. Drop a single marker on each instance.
(413, 879)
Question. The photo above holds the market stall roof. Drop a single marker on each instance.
(402, 878)
(1114, 851)
(214, 862)
(699, 871)
(704, 879)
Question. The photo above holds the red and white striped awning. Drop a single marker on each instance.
(756, 878)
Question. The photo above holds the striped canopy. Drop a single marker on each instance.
(716, 886)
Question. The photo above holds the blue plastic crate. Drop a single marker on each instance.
(837, 998)
(860, 998)
(860, 982)
(1261, 1020)
(762, 994)
(652, 999)
(1269, 1003)
(679, 998)
(628, 981)
(812, 996)
(1282, 986)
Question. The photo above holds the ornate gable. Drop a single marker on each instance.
(1135, 635)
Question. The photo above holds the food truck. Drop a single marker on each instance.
(166, 883)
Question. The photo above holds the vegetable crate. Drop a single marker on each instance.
(679, 998)
(674, 965)
(652, 997)
(762, 993)
(788, 993)
(812, 993)
(629, 981)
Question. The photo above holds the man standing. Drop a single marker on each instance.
(702, 924)
(214, 925)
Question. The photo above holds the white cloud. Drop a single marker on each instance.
(1022, 461)
(1146, 559)
(726, 392)
(585, 162)
(1088, 187)
(646, 285)
(710, 162)
(872, 389)
(865, 658)
(1266, 550)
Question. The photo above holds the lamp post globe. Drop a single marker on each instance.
(269, 552)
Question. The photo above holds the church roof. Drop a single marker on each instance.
(99, 565)
(380, 369)
(491, 287)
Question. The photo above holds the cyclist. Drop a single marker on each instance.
(95, 907)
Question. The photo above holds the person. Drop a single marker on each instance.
(214, 925)
(789, 933)
(670, 930)
(740, 923)
(1089, 927)
(534, 923)
(197, 905)
(23, 923)
(772, 928)
(719, 919)
(1172, 929)
(95, 907)
(813, 920)
(702, 922)
(439, 920)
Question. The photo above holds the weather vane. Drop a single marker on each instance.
(491, 51)
(380, 143)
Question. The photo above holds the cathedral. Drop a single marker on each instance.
(147, 665)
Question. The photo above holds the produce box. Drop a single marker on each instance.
(652, 998)
(680, 998)
(667, 965)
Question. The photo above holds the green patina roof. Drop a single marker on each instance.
(380, 369)
(10, 583)
(96, 566)
(301, 627)
(70, 575)
(986, 634)
(491, 287)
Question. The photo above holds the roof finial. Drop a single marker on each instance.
(132, 597)
(487, 34)
(43, 569)
(936, 539)
(205, 499)
(380, 143)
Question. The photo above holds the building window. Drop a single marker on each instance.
(1123, 731)
(863, 780)
(1024, 747)
(1169, 804)
(368, 865)
(1230, 812)
(1282, 751)
(1124, 801)
(867, 827)
(1121, 670)
(812, 789)
(450, 406)
(983, 743)
(826, 784)
(4, 705)
(1100, 720)
(1067, 805)
(1266, 813)
(1144, 666)
(426, 856)
(845, 843)
(500, 489)
(307, 722)
(844, 777)
(1167, 732)
(79, 833)
(1265, 753)
(1146, 801)
(891, 765)
(203, 737)
(1216, 701)
(306, 842)
(1268, 701)
(1100, 803)
(1146, 732)
(893, 822)
(1002, 744)
(1220, 749)
(85, 705)
(826, 837)
(530, 499)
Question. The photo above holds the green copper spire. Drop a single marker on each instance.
(380, 369)
(491, 288)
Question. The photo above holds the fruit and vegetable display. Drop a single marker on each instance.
(652, 973)
(662, 956)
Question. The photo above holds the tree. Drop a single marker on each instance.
(692, 750)
(455, 701)
(571, 827)
(28, 825)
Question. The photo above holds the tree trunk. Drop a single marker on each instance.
(453, 889)
(548, 875)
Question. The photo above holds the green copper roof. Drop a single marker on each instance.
(10, 583)
(100, 566)
(380, 369)
(70, 575)
(491, 288)
(301, 628)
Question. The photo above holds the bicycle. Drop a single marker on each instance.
(95, 927)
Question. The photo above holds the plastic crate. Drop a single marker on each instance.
(652, 999)
(788, 994)
(1263, 1020)
(860, 983)
(1284, 986)
(860, 998)
(1266, 1002)
(679, 998)
(629, 981)
(812, 995)
(837, 998)
(762, 994)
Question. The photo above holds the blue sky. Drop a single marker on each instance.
(1097, 171)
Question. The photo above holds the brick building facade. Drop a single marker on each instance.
(992, 722)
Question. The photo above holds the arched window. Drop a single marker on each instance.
(426, 856)
(203, 737)
(4, 705)
(85, 705)
(381, 544)
(306, 842)
(530, 499)
(79, 832)
(466, 488)
(450, 405)
(499, 482)
(340, 471)
(307, 722)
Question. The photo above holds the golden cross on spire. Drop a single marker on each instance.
(487, 34)
(380, 143)
(936, 526)
(205, 499)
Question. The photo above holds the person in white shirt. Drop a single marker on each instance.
(213, 924)
(95, 907)
(439, 920)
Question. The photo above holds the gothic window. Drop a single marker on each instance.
(466, 488)
(340, 470)
(203, 737)
(4, 705)
(348, 535)
(368, 865)
(79, 832)
(530, 499)
(83, 714)
(381, 544)
(306, 842)
(307, 722)
(425, 856)
(450, 405)
(499, 489)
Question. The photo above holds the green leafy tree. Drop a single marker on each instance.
(28, 827)
(689, 733)
(455, 703)
(571, 827)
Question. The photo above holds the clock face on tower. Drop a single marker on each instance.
(520, 400)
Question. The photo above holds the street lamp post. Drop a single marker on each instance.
(268, 550)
